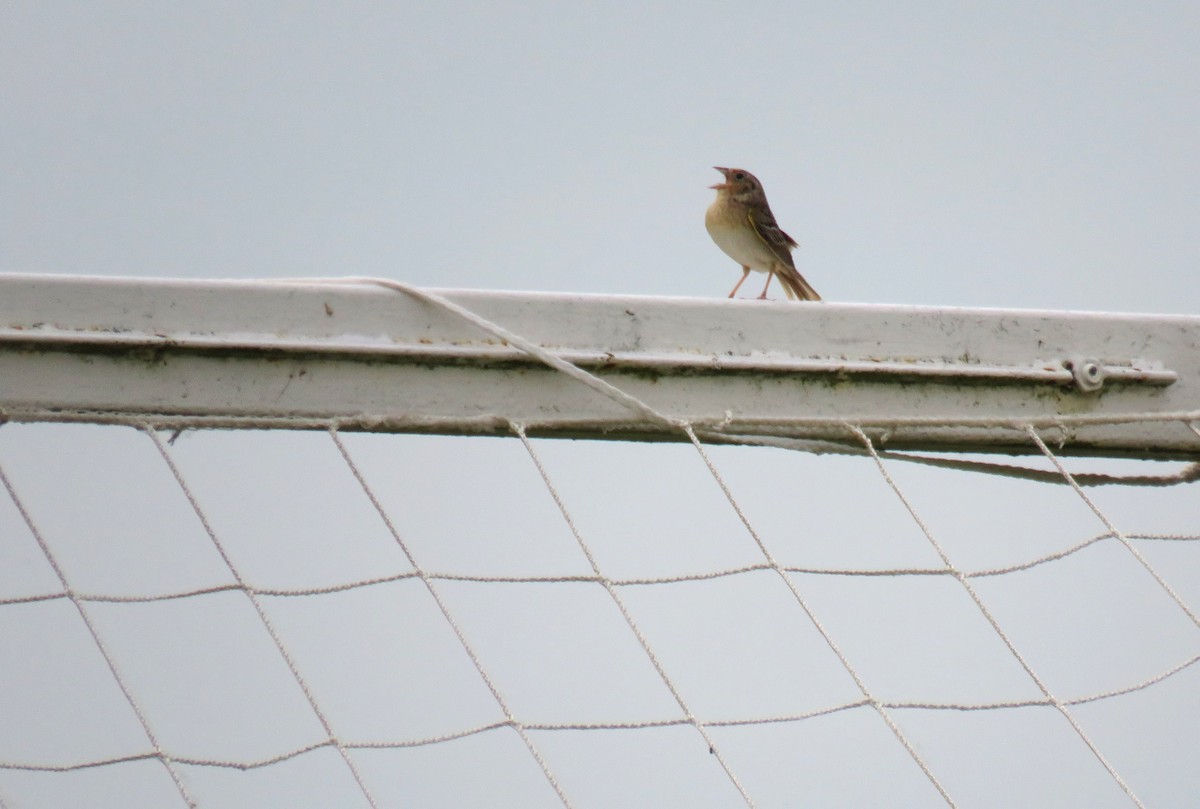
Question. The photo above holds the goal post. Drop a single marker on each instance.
(316, 542)
(375, 357)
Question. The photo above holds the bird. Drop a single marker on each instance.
(741, 223)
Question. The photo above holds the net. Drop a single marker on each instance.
(312, 613)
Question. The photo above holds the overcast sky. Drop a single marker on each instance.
(1017, 155)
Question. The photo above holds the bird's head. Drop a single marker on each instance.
(739, 184)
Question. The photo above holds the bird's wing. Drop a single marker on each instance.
(781, 244)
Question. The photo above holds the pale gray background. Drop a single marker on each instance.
(1033, 156)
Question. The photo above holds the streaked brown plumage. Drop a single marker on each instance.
(741, 223)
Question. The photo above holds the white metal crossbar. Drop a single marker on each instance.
(359, 353)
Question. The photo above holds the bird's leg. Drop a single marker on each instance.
(745, 272)
(763, 296)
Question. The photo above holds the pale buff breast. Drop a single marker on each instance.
(736, 239)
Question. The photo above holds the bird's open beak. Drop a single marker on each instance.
(725, 184)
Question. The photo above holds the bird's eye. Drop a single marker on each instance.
(741, 175)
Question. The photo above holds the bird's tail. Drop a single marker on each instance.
(795, 286)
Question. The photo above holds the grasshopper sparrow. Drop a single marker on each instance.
(741, 223)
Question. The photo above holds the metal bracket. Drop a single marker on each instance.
(1089, 374)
